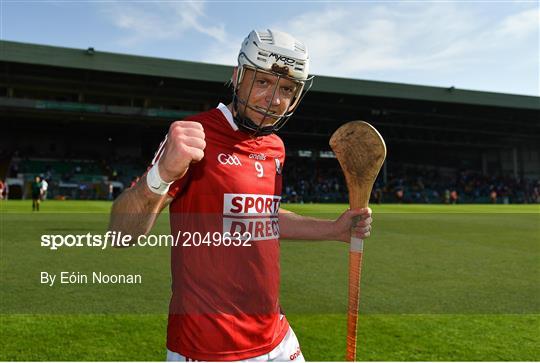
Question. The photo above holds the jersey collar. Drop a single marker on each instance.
(228, 116)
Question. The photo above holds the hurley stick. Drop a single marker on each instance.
(360, 150)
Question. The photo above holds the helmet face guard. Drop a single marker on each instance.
(241, 105)
(269, 54)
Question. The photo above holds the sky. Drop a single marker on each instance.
(477, 45)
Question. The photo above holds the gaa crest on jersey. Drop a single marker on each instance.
(279, 167)
(229, 159)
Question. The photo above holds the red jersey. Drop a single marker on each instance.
(225, 296)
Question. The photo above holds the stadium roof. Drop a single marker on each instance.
(148, 66)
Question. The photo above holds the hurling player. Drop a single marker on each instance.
(220, 174)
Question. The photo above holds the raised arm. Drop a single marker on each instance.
(356, 221)
(135, 211)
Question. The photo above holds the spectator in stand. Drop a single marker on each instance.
(536, 193)
(1, 189)
(446, 196)
(111, 190)
(436, 196)
(294, 197)
(493, 196)
(399, 194)
(454, 196)
(377, 195)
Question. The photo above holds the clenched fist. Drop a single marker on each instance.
(353, 223)
(185, 145)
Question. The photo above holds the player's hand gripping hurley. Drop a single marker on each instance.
(361, 151)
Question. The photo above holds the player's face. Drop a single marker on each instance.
(267, 93)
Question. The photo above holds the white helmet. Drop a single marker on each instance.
(262, 49)
(281, 55)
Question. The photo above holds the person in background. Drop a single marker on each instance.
(454, 196)
(36, 193)
(44, 188)
(111, 190)
(493, 196)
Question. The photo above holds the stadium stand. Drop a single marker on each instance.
(91, 121)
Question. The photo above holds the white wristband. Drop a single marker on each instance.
(155, 183)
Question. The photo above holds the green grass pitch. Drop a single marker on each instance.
(440, 283)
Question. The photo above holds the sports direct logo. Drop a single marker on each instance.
(227, 159)
(253, 205)
(256, 214)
